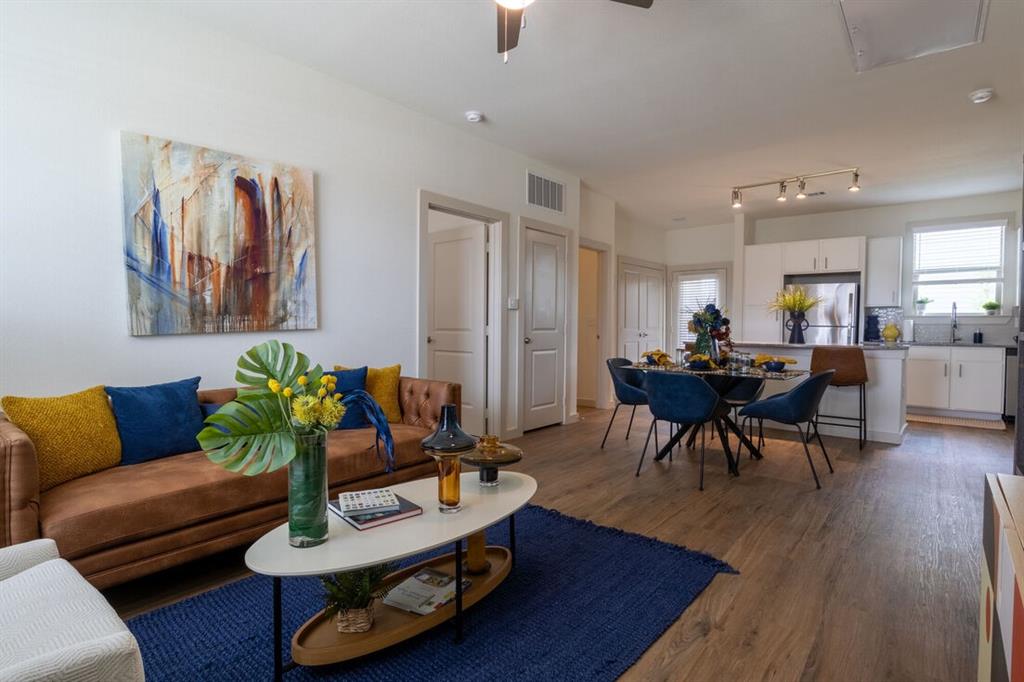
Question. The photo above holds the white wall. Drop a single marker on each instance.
(699, 245)
(882, 221)
(597, 216)
(634, 240)
(74, 75)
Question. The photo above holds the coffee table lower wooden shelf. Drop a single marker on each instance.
(318, 641)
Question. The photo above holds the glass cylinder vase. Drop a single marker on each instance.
(307, 491)
(449, 477)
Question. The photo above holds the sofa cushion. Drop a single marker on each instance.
(74, 434)
(382, 385)
(158, 420)
(143, 500)
(351, 380)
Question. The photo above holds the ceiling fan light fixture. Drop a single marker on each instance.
(737, 199)
(801, 194)
(782, 192)
(855, 187)
(514, 4)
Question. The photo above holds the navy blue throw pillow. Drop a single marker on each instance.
(157, 421)
(351, 380)
(209, 408)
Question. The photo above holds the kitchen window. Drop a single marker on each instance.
(694, 289)
(961, 263)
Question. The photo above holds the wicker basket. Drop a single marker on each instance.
(355, 620)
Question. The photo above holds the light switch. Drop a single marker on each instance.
(513, 303)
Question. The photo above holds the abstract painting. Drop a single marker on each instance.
(215, 242)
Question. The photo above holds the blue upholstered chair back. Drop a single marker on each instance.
(746, 391)
(795, 407)
(628, 383)
(680, 398)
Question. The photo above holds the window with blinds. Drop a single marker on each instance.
(694, 290)
(958, 263)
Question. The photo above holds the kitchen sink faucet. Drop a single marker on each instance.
(953, 325)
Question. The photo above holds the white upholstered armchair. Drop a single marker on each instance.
(54, 625)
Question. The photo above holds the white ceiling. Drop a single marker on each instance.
(665, 109)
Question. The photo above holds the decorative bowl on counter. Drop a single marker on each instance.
(773, 366)
(699, 364)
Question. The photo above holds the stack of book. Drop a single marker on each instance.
(424, 592)
(364, 509)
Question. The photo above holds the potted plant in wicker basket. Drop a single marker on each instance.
(350, 596)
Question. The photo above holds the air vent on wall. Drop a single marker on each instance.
(543, 192)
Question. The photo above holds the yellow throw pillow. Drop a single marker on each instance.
(74, 434)
(382, 385)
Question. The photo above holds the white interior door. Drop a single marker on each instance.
(543, 329)
(641, 309)
(457, 317)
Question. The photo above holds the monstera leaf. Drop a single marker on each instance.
(249, 434)
(274, 360)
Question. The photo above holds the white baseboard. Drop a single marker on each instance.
(960, 414)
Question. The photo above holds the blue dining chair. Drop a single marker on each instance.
(629, 390)
(796, 407)
(685, 400)
(741, 395)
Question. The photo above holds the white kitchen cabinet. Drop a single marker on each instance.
(963, 379)
(761, 325)
(762, 272)
(928, 377)
(976, 379)
(800, 257)
(884, 277)
(843, 254)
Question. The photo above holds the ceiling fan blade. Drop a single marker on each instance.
(646, 4)
(509, 22)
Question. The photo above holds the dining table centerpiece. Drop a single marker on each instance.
(794, 301)
(772, 363)
(712, 331)
(657, 357)
(280, 417)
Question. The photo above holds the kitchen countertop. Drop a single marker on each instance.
(798, 346)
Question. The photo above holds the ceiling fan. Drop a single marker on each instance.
(511, 20)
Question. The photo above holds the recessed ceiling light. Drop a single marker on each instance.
(474, 116)
(981, 96)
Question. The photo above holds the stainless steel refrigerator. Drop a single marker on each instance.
(835, 319)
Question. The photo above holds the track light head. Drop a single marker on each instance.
(737, 199)
(782, 192)
(801, 186)
(855, 187)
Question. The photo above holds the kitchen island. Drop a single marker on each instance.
(886, 388)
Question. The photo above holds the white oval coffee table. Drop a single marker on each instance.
(318, 642)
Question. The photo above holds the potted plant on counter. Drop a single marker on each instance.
(796, 302)
(991, 307)
(922, 303)
(350, 596)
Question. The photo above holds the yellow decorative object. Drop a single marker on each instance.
(762, 358)
(74, 434)
(660, 358)
(891, 333)
(382, 385)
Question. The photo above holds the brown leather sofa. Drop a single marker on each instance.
(128, 521)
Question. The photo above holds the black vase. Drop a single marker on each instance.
(796, 324)
(449, 438)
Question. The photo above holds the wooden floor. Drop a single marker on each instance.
(874, 577)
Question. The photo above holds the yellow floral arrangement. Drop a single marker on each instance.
(795, 300)
(311, 410)
(657, 357)
(703, 357)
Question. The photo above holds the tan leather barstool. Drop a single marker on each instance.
(851, 370)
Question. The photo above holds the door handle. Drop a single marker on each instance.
(430, 339)
(814, 263)
(945, 369)
(961, 370)
(894, 296)
(826, 262)
(527, 340)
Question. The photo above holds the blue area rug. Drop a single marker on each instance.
(583, 603)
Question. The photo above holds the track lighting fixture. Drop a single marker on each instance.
(801, 180)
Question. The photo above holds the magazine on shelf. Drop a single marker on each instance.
(356, 502)
(424, 592)
(405, 510)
